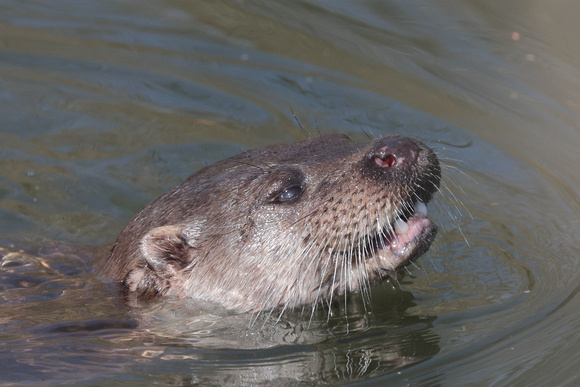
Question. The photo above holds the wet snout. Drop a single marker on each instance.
(396, 152)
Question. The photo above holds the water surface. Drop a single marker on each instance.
(105, 105)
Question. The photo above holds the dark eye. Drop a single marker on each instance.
(290, 194)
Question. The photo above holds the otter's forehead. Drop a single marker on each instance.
(313, 150)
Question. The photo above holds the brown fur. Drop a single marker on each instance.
(286, 225)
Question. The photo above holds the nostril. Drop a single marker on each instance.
(384, 159)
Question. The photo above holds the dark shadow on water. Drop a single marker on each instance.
(84, 327)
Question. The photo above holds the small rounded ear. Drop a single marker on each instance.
(168, 249)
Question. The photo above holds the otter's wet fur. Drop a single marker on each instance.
(288, 225)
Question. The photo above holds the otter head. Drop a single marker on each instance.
(287, 225)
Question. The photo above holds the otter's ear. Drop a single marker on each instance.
(168, 249)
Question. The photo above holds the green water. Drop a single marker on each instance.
(105, 105)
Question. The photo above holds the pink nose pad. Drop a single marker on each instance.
(383, 158)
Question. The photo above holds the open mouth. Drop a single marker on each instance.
(404, 239)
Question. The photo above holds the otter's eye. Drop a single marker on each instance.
(290, 194)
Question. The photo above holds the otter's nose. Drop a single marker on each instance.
(401, 163)
(395, 151)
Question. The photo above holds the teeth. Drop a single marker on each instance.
(421, 208)
(401, 227)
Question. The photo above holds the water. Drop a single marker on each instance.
(106, 105)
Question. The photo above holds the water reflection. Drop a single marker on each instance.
(60, 326)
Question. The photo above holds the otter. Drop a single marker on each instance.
(289, 225)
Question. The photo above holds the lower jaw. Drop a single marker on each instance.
(396, 256)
